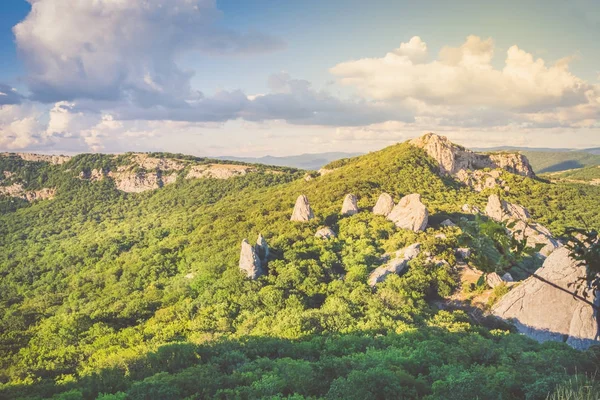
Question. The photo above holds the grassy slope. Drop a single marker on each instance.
(545, 161)
(96, 277)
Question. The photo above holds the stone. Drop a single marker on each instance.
(447, 223)
(410, 213)
(325, 233)
(262, 249)
(350, 206)
(507, 277)
(218, 171)
(302, 211)
(469, 209)
(384, 205)
(493, 280)
(463, 253)
(250, 263)
(452, 158)
(549, 311)
(519, 224)
(396, 265)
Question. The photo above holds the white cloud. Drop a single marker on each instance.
(465, 76)
(115, 49)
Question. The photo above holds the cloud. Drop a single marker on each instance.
(123, 49)
(465, 76)
(8, 95)
(19, 126)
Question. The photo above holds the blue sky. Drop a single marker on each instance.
(282, 77)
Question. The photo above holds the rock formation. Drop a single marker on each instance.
(262, 250)
(469, 209)
(325, 233)
(218, 171)
(493, 280)
(447, 223)
(463, 253)
(249, 261)
(507, 277)
(544, 312)
(16, 190)
(350, 206)
(518, 219)
(384, 205)
(410, 213)
(51, 159)
(302, 211)
(396, 265)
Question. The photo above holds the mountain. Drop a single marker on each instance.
(303, 161)
(139, 277)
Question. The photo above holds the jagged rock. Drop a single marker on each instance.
(453, 158)
(16, 190)
(218, 171)
(262, 249)
(507, 277)
(249, 261)
(350, 206)
(410, 213)
(469, 209)
(544, 312)
(519, 223)
(493, 280)
(131, 182)
(384, 205)
(325, 233)
(302, 211)
(463, 253)
(56, 160)
(396, 265)
(448, 223)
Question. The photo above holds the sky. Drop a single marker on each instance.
(251, 78)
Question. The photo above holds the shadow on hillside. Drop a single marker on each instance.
(562, 166)
(258, 367)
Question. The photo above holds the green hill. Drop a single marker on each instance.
(547, 161)
(586, 174)
(113, 295)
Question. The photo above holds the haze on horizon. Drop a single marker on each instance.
(243, 78)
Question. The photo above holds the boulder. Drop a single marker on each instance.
(507, 277)
(463, 253)
(325, 233)
(302, 211)
(384, 205)
(262, 249)
(447, 223)
(493, 280)
(410, 213)
(249, 261)
(350, 206)
(547, 310)
(396, 265)
(519, 224)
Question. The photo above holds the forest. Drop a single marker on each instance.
(112, 295)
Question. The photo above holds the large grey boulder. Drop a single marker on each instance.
(249, 261)
(350, 205)
(302, 211)
(262, 249)
(384, 205)
(547, 310)
(396, 265)
(410, 213)
(325, 233)
(520, 224)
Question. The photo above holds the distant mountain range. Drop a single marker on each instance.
(543, 160)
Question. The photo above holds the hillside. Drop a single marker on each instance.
(111, 294)
(590, 174)
(301, 161)
(543, 161)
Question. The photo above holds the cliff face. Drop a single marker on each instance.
(464, 164)
(17, 190)
(55, 160)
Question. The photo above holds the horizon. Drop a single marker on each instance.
(239, 79)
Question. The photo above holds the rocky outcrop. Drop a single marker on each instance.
(51, 159)
(350, 205)
(463, 253)
(519, 223)
(131, 182)
(145, 161)
(218, 171)
(325, 233)
(493, 280)
(325, 171)
(410, 213)
(262, 250)
(452, 158)
(302, 211)
(384, 205)
(249, 261)
(469, 209)
(396, 265)
(16, 190)
(447, 223)
(507, 277)
(547, 310)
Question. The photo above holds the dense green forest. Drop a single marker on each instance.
(586, 174)
(554, 161)
(111, 295)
